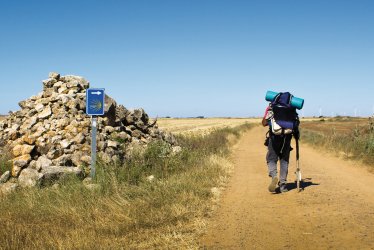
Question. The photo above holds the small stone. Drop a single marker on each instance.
(28, 139)
(16, 127)
(62, 123)
(73, 84)
(101, 145)
(79, 138)
(56, 139)
(48, 83)
(8, 188)
(113, 144)
(150, 178)
(63, 89)
(15, 170)
(86, 159)
(63, 160)
(57, 85)
(109, 129)
(42, 147)
(129, 120)
(47, 112)
(22, 150)
(87, 180)
(105, 157)
(76, 159)
(13, 134)
(65, 144)
(5, 177)
(31, 113)
(22, 161)
(53, 154)
(136, 134)
(32, 164)
(124, 136)
(22, 104)
(31, 122)
(39, 107)
(176, 149)
(64, 98)
(43, 162)
(48, 92)
(54, 75)
(216, 192)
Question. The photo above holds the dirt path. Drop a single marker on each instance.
(335, 210)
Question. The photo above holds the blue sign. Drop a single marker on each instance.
(95, 101)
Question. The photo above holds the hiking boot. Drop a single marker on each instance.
(283, 188)
(273, 184)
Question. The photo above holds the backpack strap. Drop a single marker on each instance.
(276, 99)
(289, 99)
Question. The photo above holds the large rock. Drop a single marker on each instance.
(29, 178)
(52, 174)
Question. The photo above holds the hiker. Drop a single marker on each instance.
(279, 138)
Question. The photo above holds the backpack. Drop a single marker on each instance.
(285, 119)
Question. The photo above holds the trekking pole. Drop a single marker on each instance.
(298, 171)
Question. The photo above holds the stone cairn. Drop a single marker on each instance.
(50, 136)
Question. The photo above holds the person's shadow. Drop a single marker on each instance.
(305, 183)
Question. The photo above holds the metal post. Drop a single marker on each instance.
(93, 147)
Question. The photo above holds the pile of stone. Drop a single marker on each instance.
(51, 135)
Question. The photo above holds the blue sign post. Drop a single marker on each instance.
(95, 102)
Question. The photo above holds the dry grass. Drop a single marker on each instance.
(351, 137)
(340, 125)
(126, 211)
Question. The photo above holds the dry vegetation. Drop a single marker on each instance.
(126, 210)
(351, 137)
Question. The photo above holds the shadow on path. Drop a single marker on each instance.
(305, 183)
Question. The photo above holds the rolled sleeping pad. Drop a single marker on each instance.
(270, 96)
(295, 101)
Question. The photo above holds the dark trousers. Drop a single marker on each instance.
(279, 148)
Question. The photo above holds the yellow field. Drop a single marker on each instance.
(195, 125)
(341, 126)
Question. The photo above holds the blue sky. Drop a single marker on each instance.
(194, 57)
